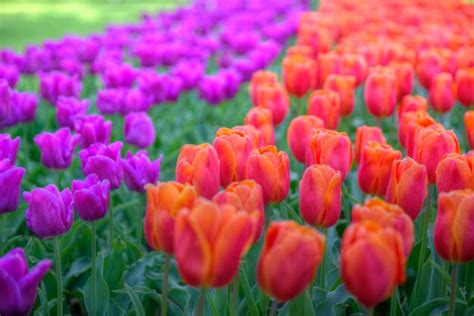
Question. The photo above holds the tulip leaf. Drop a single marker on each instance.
(301, 305)
(102, 296)
(250, 300)
(435, 306)
(137, 305)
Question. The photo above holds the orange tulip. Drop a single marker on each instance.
(252, 132)
(455, 172)
(365, 134)
(299, 133)
(454, 224)
(164, 200)
(301, 50)
(345, 87)
(299, 74)
(372, 261)
(331, 148)
(328, 63)
(407, 186)
(408, 126)
(275, 98)
(465, 85)
(318, 38)
(199, 165)
(244, 195)
(381, 92)
(442, 92)
(233, 149)
(469, 125)
(412, 103)
(271, 169)
(374, 169)
(354, 65)
(430, 62)
(260, 78)
(325, 104)
(209, 242)
(405, 77)
(387, 215)
(320, 195)
(292, 251)
(261, 118)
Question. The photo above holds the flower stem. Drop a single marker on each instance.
(200, 302)
(322, 268)
(369, 311)
(424, 237)
(164, 290)
(93, 267)
(393, 303)
(3, 234)
(111, 224)
(274, 308)
(59, 276)
(452, 302)
(235, 296)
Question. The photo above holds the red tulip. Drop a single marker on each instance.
(299, 133)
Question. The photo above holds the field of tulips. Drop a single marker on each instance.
(234, 157)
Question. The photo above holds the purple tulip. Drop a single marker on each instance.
(10, 73)
(24, 106)
(69, 109)
(103, 160)
(119, 76)
(139, 129)
(93, 129)
(232, 81)
(55, 84)
(37, 59)
(123, 101)
(212, 89)
(190, 73)
(57, 149)
(9, 147)
(18, 285)
(108, 101)
(5, 100)
(50, 212)
(138, 170)
(91, 197)
(10, 185)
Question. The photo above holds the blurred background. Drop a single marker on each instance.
(24, 22)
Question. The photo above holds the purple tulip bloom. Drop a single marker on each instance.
(138, 170)
(119, 76)
(232, 81)
(10, 185)
(10, 73)
(212, 89)
(134, 100)
(139, 130)
(9, 147)
(57, 149)
(55, 84)
(50, 212)
(69, 109)
(24, 106)
(5, 100)
(93, 129)
(91, 197)
(190, 73)
(103, 160)
(108, 101)
(18, 286)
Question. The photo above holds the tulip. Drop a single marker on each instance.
(299, 134)
(299, 75)
(18, 286)
(365, 134)
(442, 92)
(405, 77)
(260, 78)
(374, 168)
(372, 261)
(91, 197)
(407, 186)
(453, 236)
(327, 64)
(455, 172)
(331, 148)
(139, 130)
(301, 50)
(408, 127)
(271, 169)
(5, 100)
(10, 73)
(430, 62)
(138, 170)
(387, 215)
(69, 109)
(10, 185)
(380, 92)
(289, 250)
(103, 160)
(9, 147)
(465, 86)
(275, 98)
(190, 73)
(354, 65)
(253, 133)
(343, 85)
(24, 106)
(55, 84)
(199, 165)
(119, 76)
(325, 104)
(93, 129)
(468, 124)
(320, 195)
(431, 144)
(50, 212)
(212, 89)
(244, 195)
(412, 103)
(164, 200)
(261, 118)
(57, 149)
(210, 240)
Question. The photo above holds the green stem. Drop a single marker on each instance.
(274, 308)
(59, 276)
(111, 223)
(93, 267)
(452, 302)
(200, 302)
(322, 269)
(235, 295)
(164, 290)
(424, 237)
(369, 311)
(139, 225)
(267, 214)
(393, 303)
(3, 234)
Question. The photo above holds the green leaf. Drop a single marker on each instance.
(102, 296)
(137, 305)
(328, 303)
(301, 305)
(250, 300)
(78, 267)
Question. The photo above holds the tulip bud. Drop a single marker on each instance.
(10, 185)
(5, 100)
(18, 285)
(103, 160)
(328, 147)
(299, 75)
(345, 87)
(354, 65)
(49, 212)
(69, 109)
(327, 64)
(261, 118)
(325, 104)
(367, 247)
(455, 172)
(299, 133)
(139, 130)
(407, 186)
(468, 124)
(453, 236)
(430, 62)
(138, 170)
(233, 149)
(260, 78)
(55, 84)
(9, 147)
(465, 86)
(442, 92)
(164, 200)
(91, 197)
(24, 106)
(253, 133)
(93, 129)
(271, 169)
(405, 77)
(57, 149)
(409, 125)
(10, 73)
(210, 240)
(301, 50)
(275, 98)
(380, 92)
(199, 166)
(412, 103)
(365, 134)
(289, 250)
